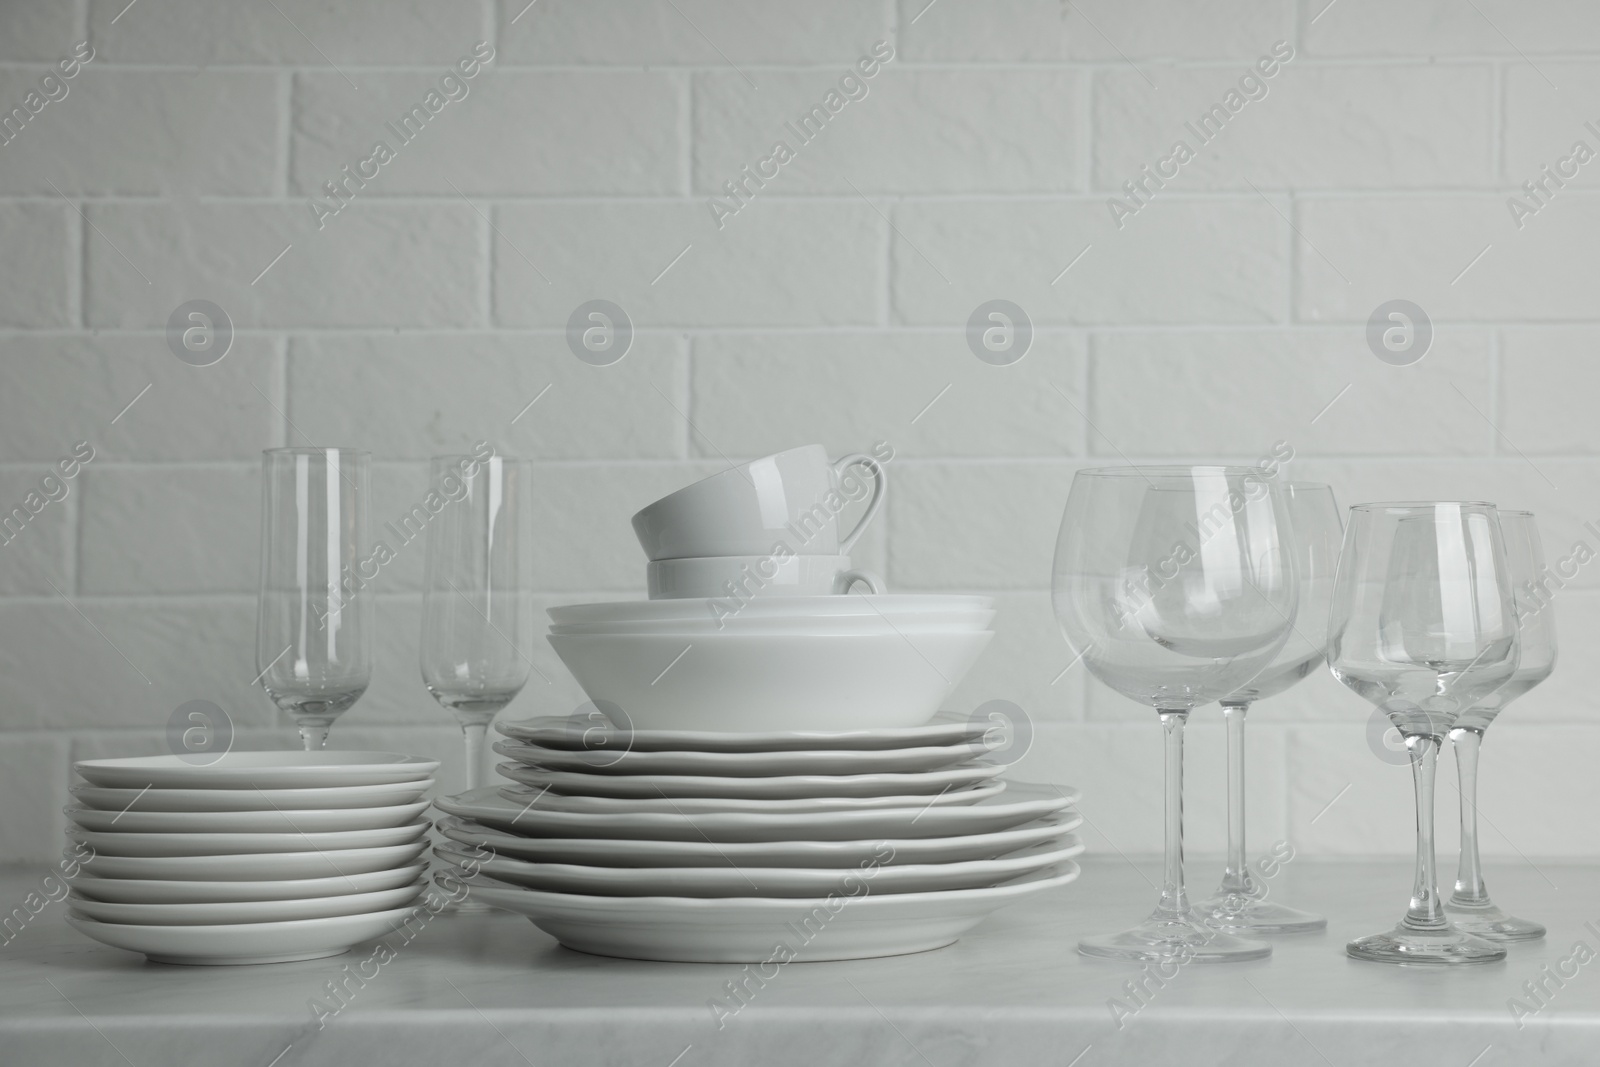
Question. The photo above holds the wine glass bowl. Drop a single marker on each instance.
(1176, 585)
(313, 620)
(1423, 625)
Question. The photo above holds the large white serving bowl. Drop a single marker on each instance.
(204, 844)
(312, 820)
(257, 770)
(769, 681)
(245, 911)
(271, 942)
(822, 625)
(383, 794)
(751, 929)
(896, 606)
(880, 874)
(194, 891)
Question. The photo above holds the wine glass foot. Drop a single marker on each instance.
(468, 907)
(1180, 940)
(1492, 924)
(1435, 948)
(1238, 913)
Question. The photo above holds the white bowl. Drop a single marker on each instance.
(893, 605)
(819, 625)
(743, 682)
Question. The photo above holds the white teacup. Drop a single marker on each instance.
(745, 577)
(792, 499)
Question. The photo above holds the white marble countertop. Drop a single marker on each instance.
(494, 990)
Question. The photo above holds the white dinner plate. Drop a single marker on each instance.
(257, 770)
(749, 764)
(550, 800)
(763, 929)
(256, 867)
(882, 873)
(200, 844)
(312, 820)
(625, 852)
(190, 891)
(245, 911)
(384, 794)
(279, 942)
(780, 787)
(1020, 803)
(592, 732)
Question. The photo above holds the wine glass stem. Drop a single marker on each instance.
(1236, 876)
(1425, 912)
(474, 731)
(1470, 889)
(314, 733)
(1174, 901)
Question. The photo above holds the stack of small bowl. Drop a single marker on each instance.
(247, 857)
(762, 752)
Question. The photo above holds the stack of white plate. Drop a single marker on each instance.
(779, 663)
(257, 857)
(717, 847)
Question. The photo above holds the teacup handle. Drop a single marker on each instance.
(880, 482)
(846, 579)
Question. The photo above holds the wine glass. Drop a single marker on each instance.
(477, 607)
(1424, 626)
(1176, 585)
(313, 623)
(1469, 907)
(1314, 520)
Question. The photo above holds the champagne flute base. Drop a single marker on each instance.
(1162, 940)
(1407, 946)
(1492, 924)
(1241, 914)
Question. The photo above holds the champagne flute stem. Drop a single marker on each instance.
(1174, 901)
(1426, 913)
(1470, 889)
(1236, 876)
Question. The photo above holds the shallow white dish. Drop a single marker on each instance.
(203, 844)
(745, 764)
(623, 852)
(1020, 803)
(780, 787)
(892, 605)
(256, 867)
(257, 770)
(235, 943)
(383, 794)
(245, 911)
(583, 732)
(882, 873)
(770, 681)
(751, 929)
(729, 620)
(550, 800)
(188, 890)
(305, 821)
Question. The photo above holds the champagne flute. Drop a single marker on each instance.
(1176, 585)
(313, 626)
(1424, 626)
(477, 608)
(1314, 519)
(1469, 907)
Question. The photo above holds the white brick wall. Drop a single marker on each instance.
(1223, 317)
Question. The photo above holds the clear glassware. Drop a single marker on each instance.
(477, 607)
(1177, 586)
(1469, 907)
(313, 625)
(1424, 626)
(1237, 905)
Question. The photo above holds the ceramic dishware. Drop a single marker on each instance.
(756, 576)
(245, 911)
(238, 943)
(257, 770)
